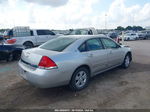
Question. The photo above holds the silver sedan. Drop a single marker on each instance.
(72, 60)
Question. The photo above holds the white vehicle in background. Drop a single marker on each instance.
(131, 36)
(83, 31)
(23, 36)
(91, 31)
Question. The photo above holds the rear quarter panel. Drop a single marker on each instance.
(68, 62)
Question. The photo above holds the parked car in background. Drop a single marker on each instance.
(1, 40)
(148, 35)
(91, 31)
(72, 60)
(142, 36)
(10, 52)
(114, 36)
(83, 31)
(131, 36)
(23, 36)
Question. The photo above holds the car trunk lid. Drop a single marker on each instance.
(34, 56)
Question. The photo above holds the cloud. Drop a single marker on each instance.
(120, 14)
(71, 14)
(80, 13)
(75, 13)
(2, 1)
(53, 3)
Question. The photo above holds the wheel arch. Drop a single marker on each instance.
(71, 82)
(15, 52)
(29, 42)
(85, 66)
(130, 54)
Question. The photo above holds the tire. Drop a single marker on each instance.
(127, 61)
(28, 45)
(80, 79)
(17, 55)
(10, 57)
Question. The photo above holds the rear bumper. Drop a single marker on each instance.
(15, 45)
(42, 78)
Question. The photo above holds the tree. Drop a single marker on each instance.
(134, 28)
(120, 28)
(129, 28)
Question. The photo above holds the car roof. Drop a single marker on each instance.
(83, 36)
(80, 40)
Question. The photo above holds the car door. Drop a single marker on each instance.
(96, 54)
(42, 36)
(115, 53)
(50, 34)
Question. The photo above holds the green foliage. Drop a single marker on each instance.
(134, 28)
(2, 30)
(120, 28)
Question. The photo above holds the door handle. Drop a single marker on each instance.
(90, 55)
(110, 52)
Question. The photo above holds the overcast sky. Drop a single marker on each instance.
(64, 14)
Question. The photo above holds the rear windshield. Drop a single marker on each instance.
(58, 44)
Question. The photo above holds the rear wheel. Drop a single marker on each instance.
(10, 57)
(80, 79)
(127, 61)
(28, 45)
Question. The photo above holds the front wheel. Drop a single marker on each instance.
(127, 61)
(80, 79)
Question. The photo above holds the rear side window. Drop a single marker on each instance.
(48, 32)
(58, 44)
(82, 48)
(109, 43)
(45, 32)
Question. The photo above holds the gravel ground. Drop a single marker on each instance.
(115, 89)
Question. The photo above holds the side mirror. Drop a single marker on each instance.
(120, 43)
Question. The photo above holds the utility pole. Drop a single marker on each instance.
(106, 21)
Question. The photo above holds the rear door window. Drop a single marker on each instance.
(94, 44)
(40, 32)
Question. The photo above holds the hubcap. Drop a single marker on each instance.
(10, 57)
(80, 79)
(127, 61)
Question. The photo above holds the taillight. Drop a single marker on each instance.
(47, 63)
(11, 41)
